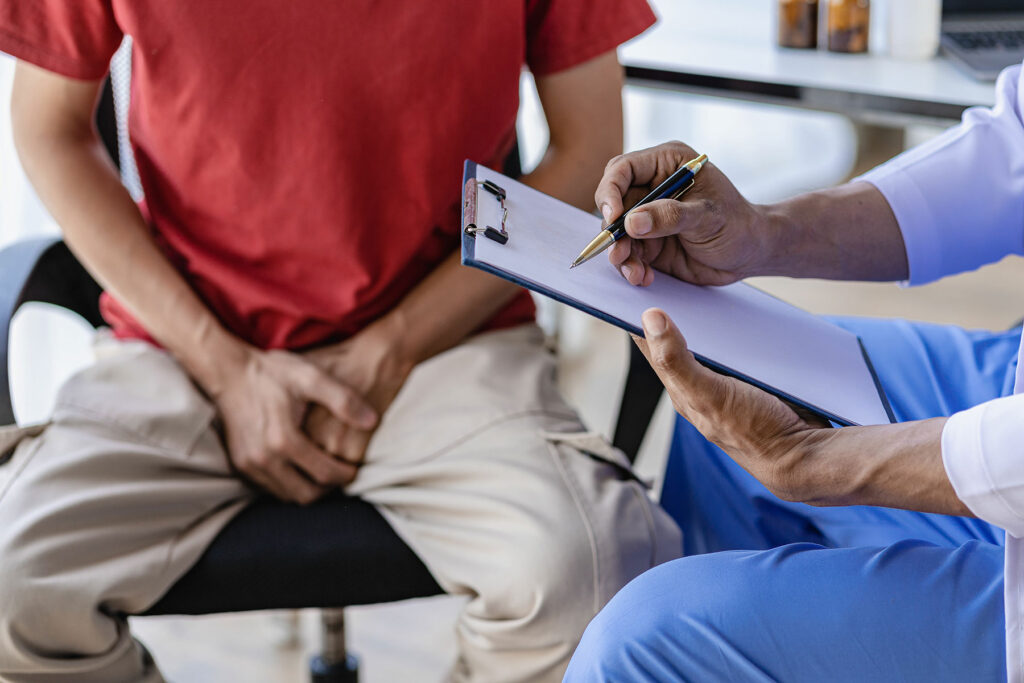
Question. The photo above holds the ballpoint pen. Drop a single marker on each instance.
(672, 188)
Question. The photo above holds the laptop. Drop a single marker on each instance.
(983, 37)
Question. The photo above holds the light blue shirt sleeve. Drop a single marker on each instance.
(959, 198)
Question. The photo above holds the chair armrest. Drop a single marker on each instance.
(43, 270)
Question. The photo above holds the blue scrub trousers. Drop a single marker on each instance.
(777, 591)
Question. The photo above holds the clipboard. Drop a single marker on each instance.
(524, 236)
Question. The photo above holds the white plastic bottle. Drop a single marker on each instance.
(914, 27)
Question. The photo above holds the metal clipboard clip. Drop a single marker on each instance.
(499, 235)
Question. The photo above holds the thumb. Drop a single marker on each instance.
(666, 351)
(660, 218)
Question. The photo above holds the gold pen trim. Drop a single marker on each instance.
(603, 240)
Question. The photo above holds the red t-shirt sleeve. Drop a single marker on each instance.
(74, 38)
(563, 33)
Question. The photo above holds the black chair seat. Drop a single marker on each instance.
(337, 552)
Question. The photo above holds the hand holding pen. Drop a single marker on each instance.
(673, 187)
(710, 236)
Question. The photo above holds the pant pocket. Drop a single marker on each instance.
(11, 438)
(596, 447)
(631, 532)
(12, 435)
(140, 395)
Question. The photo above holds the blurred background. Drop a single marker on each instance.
(777, 121)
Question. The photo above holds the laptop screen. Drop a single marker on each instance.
(980, 6)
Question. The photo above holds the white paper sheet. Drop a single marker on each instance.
(737, 326)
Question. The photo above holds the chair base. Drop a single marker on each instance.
(322, 671)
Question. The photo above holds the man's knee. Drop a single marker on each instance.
(17, 598)
(548, 581)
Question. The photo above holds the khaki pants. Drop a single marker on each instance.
(479, 465)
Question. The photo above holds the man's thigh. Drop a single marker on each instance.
(926, 371)
(122, 490)
(481, 466)
(909, 612)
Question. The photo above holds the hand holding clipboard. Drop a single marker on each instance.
(735, 329)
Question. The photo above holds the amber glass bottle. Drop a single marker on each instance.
(798, 23)
(848, 22)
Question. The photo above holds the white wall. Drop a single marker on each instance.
(46, 345)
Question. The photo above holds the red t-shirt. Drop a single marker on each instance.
(302, 162)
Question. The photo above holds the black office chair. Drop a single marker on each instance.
(332, 554)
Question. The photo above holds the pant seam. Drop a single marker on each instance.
(98, 420)
(577, 497)
(645, 508)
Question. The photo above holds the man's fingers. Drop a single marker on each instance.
(663, 218)
(626, 255)
(282, 481)
(335, 437)
(320, 466)
(288, 484)
(620, 251)
(344, 403)
(634, 270)
(324, 429)
(628, 171)
(618, 178)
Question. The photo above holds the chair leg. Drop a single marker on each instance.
(333, 664)
(287, 629)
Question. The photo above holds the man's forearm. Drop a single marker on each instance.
(844, 233)
(102, 225)
(454, 301)
(896, 466)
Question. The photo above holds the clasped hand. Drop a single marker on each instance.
(298, 425)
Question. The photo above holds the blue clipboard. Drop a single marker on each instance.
(472, 230)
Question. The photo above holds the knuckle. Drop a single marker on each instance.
(260, 461)
(665, 356)
(614, 161)
(309, 375)
(276, 441)
(669, 215)
(680, 146)
(349, 403)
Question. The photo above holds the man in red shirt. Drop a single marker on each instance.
(287, 305)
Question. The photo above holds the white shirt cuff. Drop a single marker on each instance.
(917, 224)
(982, 456)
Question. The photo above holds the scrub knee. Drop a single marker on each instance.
(655, 627)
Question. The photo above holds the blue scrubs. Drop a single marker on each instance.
(778, 591)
